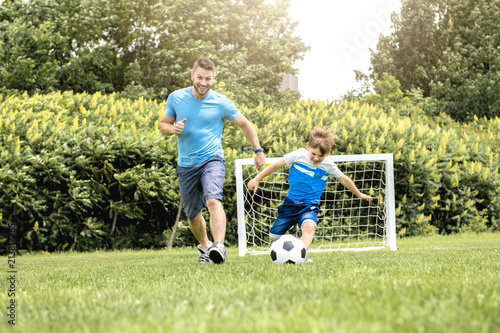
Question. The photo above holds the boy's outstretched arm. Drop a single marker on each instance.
(347, 182)
(254, 183)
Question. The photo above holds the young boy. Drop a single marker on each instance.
(309, 171)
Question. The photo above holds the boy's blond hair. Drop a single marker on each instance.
(322, 139)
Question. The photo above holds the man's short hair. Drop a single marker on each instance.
(204, 63)
(322, 139)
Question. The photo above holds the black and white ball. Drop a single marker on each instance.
(288, 249)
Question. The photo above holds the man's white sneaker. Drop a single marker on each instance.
(217, 253)
(204, 257)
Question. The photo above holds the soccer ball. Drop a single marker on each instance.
(288, 249)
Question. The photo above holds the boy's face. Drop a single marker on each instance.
(202, 82)
(315, 155)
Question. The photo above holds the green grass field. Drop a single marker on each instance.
(434, 284)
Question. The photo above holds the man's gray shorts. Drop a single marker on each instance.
(199, 183)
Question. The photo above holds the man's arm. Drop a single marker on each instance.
(167, 126)
(251, 136)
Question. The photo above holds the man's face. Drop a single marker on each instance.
(315, 155)
(202, 82)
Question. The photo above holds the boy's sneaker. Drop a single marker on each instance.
(204, 257)
(308, 260)
(217, 253)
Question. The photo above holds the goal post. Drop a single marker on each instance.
(345, 222)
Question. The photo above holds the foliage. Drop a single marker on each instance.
(446, 174)
(387, 95)
(449, 50)
(432, 284)
(146, 48)
(466, 80)
(387, 90)
(413, 49)
(72, 166)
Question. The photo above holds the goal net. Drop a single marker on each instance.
(345, 222)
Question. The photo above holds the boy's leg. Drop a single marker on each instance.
(308, 228)
(279, 228)
(284, 222)
(308, 222)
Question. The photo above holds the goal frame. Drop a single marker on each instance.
(390, 232)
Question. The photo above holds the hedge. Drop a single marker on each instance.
(84, 172)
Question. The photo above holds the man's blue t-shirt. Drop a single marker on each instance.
(201, 138)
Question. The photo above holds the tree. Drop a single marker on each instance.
(387, 91)
(448, 49)
(467, 78)
(55, 45)
(147, 47)
(412, 51)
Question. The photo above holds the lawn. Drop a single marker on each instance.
(432, 284)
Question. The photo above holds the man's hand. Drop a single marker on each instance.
(259, 160)
(179, 126)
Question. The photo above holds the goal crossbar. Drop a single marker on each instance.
(344, 222)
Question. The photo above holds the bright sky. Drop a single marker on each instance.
(340, 34)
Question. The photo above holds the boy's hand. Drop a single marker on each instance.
(253, 185)
(366, 197)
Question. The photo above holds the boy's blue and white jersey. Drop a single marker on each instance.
(307, 181)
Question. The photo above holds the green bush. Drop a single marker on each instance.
(446, 173)
(83, 172)
(74, 164)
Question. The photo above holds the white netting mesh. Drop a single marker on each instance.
(345, 222)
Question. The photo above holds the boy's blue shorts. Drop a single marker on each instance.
(199, 183)
(290, 213)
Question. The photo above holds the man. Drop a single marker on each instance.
(196, 115)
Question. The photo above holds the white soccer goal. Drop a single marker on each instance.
(345, 222)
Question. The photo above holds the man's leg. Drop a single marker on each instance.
(217, 220)
(192, 200)
(217, 251)
(212, 181)
(199, 229)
